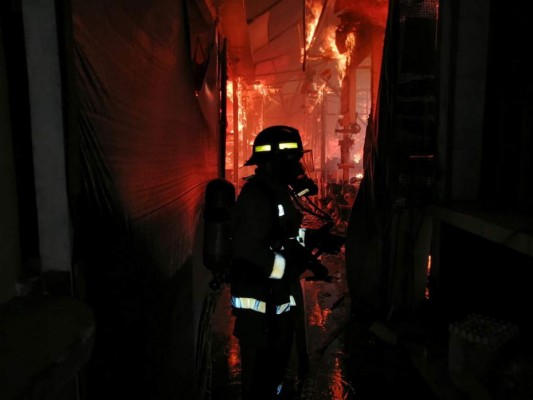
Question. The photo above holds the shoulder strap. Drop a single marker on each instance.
(279, 234)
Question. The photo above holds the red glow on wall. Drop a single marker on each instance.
(234, 358)
(318, 316)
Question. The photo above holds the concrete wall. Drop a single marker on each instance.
(46, 108)
(10, 261)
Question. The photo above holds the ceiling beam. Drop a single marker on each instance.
(235, 29)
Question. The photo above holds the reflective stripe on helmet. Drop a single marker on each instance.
(248, 303)
(288, 145)
(263, 148)
(282, 146)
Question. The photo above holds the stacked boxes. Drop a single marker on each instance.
(474, 344)
(485, 331)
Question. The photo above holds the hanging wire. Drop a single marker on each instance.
(316, 211)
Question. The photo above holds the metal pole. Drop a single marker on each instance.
(323, 172)
(223, 109)
(236, 133)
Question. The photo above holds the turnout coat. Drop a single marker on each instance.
(268, 259)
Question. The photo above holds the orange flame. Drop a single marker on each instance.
(242, 112)
(331, 50)
(313, 10)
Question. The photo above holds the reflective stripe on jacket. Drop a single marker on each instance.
(264, 218)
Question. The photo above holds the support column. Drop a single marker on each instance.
(47, 126)
(10, 261)
(323, 128)
(236, 133)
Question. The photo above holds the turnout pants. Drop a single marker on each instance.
(265, 351)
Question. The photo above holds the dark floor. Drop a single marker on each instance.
(349, 359)
(354, 358)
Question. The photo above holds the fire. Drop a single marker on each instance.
(259, 87)
(229, 89)
(246, 99)
(313, 10)
(330, 48)
(241, 110)
(350, 46)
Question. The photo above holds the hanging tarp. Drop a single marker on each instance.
(148, 92)
(146, 140)
(387, 247)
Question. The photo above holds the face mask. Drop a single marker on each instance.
(291, 172)
(296, 178)
(288, 170)
(304, 186)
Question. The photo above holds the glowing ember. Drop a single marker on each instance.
(319, 316)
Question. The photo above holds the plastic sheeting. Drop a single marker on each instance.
(388, 237)
(148, 87)
(149, 141)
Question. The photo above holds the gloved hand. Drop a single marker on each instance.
(323, 240)
(319, 270)
(297, 259)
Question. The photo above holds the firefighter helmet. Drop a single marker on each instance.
(275, 141)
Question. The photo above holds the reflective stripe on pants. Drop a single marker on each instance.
(248, 303)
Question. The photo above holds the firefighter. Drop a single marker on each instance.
(269, 257)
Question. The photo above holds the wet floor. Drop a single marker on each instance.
(347, 361)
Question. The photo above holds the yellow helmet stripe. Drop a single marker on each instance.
(263, 148)
(288, 145)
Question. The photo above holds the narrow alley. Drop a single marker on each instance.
(346, 359)
(117, 115)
